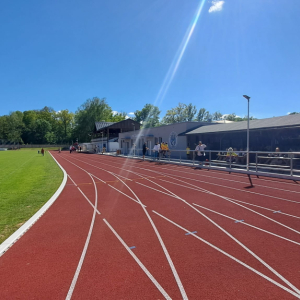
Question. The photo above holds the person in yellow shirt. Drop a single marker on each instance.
(163, 149)
(188, 153)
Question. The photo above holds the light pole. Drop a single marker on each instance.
(248, 98)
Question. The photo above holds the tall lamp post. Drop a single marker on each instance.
(248, 98)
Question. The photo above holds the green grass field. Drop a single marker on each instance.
(27, 182)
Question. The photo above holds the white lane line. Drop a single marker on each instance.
(249, 251)
(227, 233)
(177, 168)
(76, 275)
(260, 194)
(5, 245)
(236, 240)
(72, 180)
(206, 191)
(227, 187)
(155, 282)
(89, 201)
(272, 210)
(175, 274)
(152, 188)
(84, 195)
(197, 189)
(230, 256)
(228, 199)
(279, 236)
(126, 195)
(223, 215)
(258, 185)
(121, 176)
(98, 178)
(104, 181)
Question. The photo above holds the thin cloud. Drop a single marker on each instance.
(131, 113)
(217, 5)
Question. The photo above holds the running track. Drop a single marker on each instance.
(131, 229)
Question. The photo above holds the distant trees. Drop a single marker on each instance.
(48, 126)
(148, 116)
(180, 113)
(233, 117)
(294, 113)
(91, 111)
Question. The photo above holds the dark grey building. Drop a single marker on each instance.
(265, 134)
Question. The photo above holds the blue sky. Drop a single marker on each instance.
(60, 53)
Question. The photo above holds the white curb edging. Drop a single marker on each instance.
(17, 234)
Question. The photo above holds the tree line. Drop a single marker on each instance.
(47, 126)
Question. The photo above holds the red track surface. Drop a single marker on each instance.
(254, 264)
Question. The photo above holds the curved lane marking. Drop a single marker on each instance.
(155, 282)
(232, 257)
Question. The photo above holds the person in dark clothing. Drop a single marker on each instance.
(144, 150)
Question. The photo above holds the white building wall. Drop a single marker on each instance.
(169, 134)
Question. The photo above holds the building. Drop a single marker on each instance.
(106, 134)
(264, 134)
(173, 134)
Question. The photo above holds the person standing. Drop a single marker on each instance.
(188, 152)
(43, 151)
(200, 152)
(156, 150)
(144, 150)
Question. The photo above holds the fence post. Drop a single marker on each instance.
(291, 164)
(256, 162)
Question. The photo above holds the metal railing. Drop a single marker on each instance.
(283, 164)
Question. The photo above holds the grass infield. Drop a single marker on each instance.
(27, 182)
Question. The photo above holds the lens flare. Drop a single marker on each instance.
(173, 67)
(177, 59)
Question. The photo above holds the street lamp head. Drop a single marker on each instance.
(247, 97)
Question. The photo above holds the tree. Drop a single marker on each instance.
(201, 115)
(180, 113)
(65, 122)
(91, 111)
(3, 128)
(231, 117)
(174, 115)
(29, 118)
(190, 112)
(118, 117)
(217, 116)
(42, 131)
(294, 113)
(15, 127)
(148, 116)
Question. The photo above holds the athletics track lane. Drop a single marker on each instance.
(98, 168)
(127, 166)
(109, 273)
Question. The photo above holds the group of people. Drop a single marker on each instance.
(72, 149)
(160, 150)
